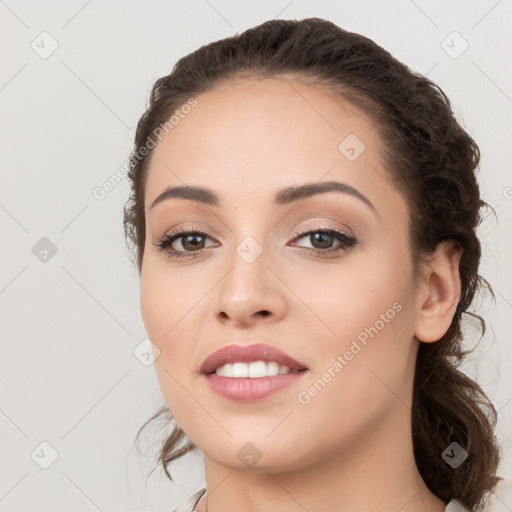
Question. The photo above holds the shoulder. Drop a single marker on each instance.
(501, 496)
(455, 506)
(189, 504)
(499, 501)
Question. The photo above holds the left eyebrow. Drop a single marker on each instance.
(291, 194)
(282, 197)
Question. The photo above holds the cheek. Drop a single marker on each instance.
(155, 300)
(349, 297)
(363, 373)
(166, 303)
(173, 303)
(168, 313)
(366, 310)
(166, 298)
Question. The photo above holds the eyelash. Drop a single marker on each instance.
(170, 238)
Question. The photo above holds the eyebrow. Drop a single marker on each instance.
(282, 197)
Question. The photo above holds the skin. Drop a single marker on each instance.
(350, 447)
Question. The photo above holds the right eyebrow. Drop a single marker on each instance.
(192, 193)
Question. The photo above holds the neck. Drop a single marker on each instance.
(360, 476)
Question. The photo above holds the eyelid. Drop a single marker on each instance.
(187, 228)
(323, 225)
(347, 241)
(316, 224)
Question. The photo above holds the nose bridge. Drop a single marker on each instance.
(249, 287)
(247, 275)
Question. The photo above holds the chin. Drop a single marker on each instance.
(254, 453)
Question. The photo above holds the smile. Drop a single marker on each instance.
(250, 372)
(254, 370)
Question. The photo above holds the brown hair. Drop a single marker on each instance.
(431, 160)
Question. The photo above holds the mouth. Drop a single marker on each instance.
(253, 370)
(250, 372)
(250, 361)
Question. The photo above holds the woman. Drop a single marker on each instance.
(303, 217)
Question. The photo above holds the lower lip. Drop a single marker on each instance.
(246, 389)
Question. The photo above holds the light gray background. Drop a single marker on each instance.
(69, 325)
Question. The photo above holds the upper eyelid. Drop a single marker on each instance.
(297, 233)
(345, 239)
(170, 238)
(324, 225)
(326, 219)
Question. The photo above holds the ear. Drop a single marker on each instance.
(439, 293)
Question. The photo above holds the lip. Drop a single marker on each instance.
(250, 389)
(248, 354)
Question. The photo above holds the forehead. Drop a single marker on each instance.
(254, 137)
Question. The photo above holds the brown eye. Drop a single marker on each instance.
(190, 241)
(322, 241)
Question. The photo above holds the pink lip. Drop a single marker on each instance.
(249, 389)
(247, 354)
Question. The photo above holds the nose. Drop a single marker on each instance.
(250, 293)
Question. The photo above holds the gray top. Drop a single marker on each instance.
(189, 504)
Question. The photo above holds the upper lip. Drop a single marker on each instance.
(247, 354)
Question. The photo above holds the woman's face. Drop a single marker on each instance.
(343, 305)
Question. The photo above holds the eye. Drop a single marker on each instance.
(322, 239)
(191, 241)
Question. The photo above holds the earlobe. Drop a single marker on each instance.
(440, 293)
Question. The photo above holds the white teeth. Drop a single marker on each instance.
(272, 368)
(284, 369)
(253, 370)
(239, 370)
